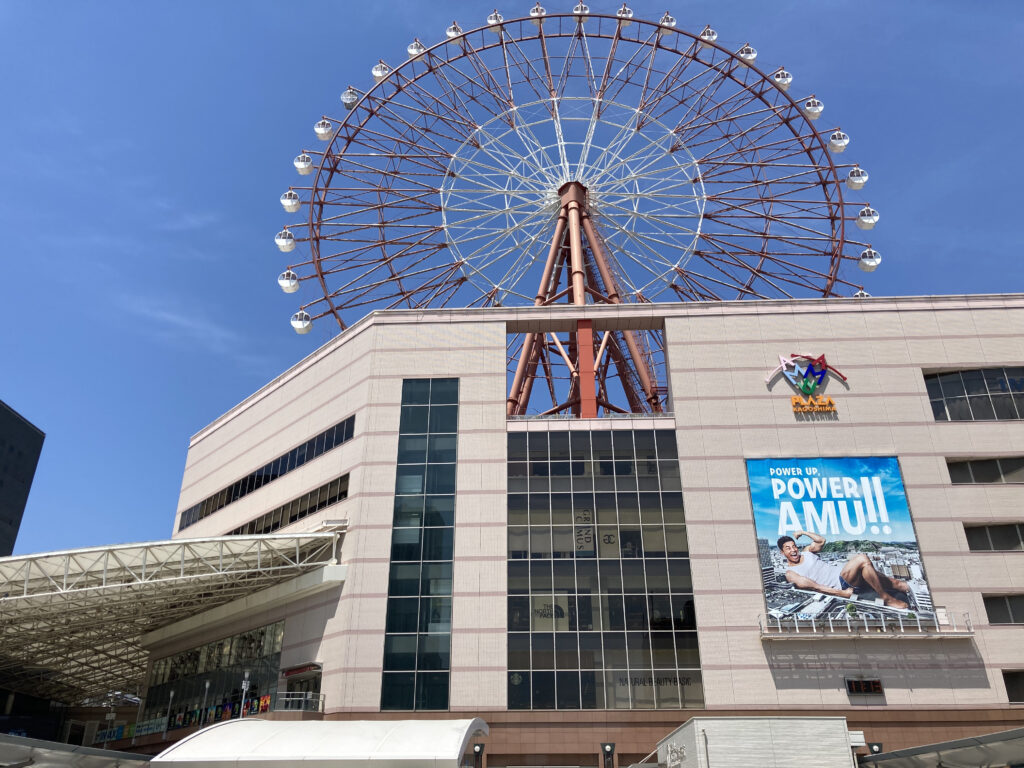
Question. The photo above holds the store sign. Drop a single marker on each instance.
(835, 537)
(806, 374)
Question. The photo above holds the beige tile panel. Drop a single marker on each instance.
(475, 690)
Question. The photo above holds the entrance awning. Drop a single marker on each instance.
(20, 751)
(992, 749)
(326, 744)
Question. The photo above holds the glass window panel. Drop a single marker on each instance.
(657, 575)
(519, 650)
(1018, 400)
(645, 445)
(605, 509)
(1014, 682)
(519, 690)
(440, 511)
(630, 541)
(412, 449)
(981, 408)
(676, 542)
(958, 409)
(1016, 603)
(437, 579)
(517, 509)
(579, 445)
(330, 438)
(607, 541)
(564, 615)
(653, 540)
(563, 576)
(672, 504)
(566, 652)
(679, 575)
(995, 379)
(518, 477)
(959, 472)
(610, 575)
(642, 689)
(542, 616)
(518, 578)
(444, 391)
(441, 478)
(666, 688)
(616, 689)
(540, 541)
(1004, 537)
(318, 446)
(413, 419)
(582, 476)
(442, 448)
(952, 385)
(687, 653)
(660, 607)
(986, 471)
(931, 384)
(537, 443)
(405, 544)
(998, 610)
(540, 576)
(410, 479)
(561, 509)
(650, 508)
(1015, 378)
(636, 612)
(974, 382)
(432, 691)
(613, 617)
(614, 649)
(683, 614)
(539, 480)
(397, 690)
(1013, 470)
(602, 445)
(438, 543)
(415, 391)
(436, 614)
(590, 650)
(542, 645)
(558, 446)
(691, 689)
(623, 445)
(669, 475)
(625, 476)
(567, 687)
(666, 440)
(587, 613)
(517, 446)
(540, 509)
(586, 577)
(405, 579)
(543, 690)
(518, 614)
(402, 614)
(629, 507)
(434, 652)
(592, 689)
(349, 425)
(977, 539)
(399, 652)
(939, 410)
(518, 542)
(1003, 407)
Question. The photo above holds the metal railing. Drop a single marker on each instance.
(306, 701)
(938, 624)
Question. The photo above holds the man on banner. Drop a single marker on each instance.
(805, 570)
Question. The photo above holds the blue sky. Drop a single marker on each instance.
(144, 147)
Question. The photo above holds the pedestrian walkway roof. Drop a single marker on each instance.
(71, 622)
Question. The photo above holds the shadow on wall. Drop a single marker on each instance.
(950, 663)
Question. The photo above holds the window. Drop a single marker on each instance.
(864, 687)
(1005, 609)
(279, 466)
(305, 505)
(1014, 680)
(1006, 470)
(417, 646)
(995, 538)
(984, 394)
(600, 607)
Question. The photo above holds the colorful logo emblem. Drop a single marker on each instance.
(806, 373)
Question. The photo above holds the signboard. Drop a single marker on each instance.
(807, 375)
(835, 538)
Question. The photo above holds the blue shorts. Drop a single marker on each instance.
(843, 584)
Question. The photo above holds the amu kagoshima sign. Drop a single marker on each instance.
(806, 373)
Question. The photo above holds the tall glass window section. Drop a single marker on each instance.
(178, 683)
(600, 606)
(417, 643)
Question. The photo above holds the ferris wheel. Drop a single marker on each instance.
(579, 158)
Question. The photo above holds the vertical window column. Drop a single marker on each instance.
(417, 643)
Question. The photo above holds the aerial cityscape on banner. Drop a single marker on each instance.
(835, 539)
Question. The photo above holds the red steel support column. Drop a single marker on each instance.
(585, 368)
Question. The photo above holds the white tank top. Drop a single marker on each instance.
(811, 567)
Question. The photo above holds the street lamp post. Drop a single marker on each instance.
(167, 722)
(245, 690)
(607, 753)
(202, 715)
(478, 755)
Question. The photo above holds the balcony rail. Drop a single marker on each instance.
(939, 624)
(306, 701)
(571, 416)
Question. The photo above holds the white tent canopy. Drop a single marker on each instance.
(326, 744)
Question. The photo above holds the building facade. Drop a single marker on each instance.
(21, 442)
(575, 582)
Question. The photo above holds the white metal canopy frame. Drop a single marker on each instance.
(697, 176)
(71, 622)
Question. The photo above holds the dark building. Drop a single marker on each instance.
(20, 445)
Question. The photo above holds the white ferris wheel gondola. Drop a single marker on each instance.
(288, 281)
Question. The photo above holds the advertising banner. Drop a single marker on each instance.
(834, 538)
